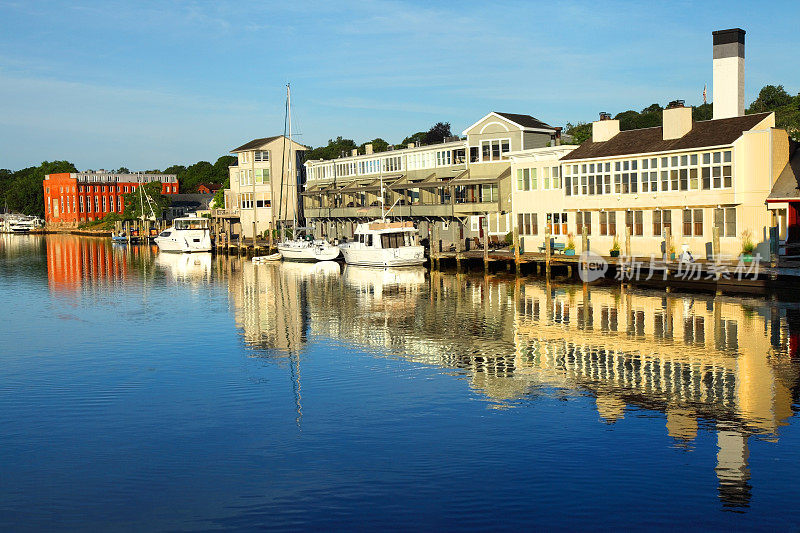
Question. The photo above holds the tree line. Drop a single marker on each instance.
(341, 146)
(770, 98)
(21, 190)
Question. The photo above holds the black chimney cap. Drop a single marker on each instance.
(733, 35)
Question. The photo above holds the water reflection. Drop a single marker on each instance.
(186, 267)
(720, 363)
(74, 263)
(706, 364)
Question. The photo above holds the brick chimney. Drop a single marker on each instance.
(605, 128)
(677, 120)
(728, 95)
(368, 148)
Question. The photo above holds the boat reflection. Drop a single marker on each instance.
(186, 267)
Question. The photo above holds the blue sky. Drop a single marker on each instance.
(148, 84)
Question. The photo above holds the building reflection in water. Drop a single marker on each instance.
(75, 263)
(717, 362)
(272, 311)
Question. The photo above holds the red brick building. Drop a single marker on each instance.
(208, 188)
(75, 197)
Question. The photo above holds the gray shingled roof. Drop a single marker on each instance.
(649, 140)
(255, 143)
(526, 121)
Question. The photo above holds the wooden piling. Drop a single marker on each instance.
(547, 252)
(486, 245)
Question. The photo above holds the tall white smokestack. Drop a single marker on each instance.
(728, 73)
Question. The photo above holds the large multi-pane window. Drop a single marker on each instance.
(682, 172)
(261, 156)
(246, 200)
(725, 221)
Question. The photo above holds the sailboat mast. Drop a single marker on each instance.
(292, 197)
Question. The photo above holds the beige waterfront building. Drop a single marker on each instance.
(671, 186)
(462, 185)
(264, 184)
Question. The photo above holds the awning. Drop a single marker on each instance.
(465, 179)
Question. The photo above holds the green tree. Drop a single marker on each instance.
(335, 148)
(578, 133)
(703, 112)
(378, 145)
(123, 170)
(770, 98)
(23, 190)
(137, 204)
(219, 196)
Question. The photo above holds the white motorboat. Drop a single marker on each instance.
(22, 223)
(308, 250)
(384, 243)
(187, 234)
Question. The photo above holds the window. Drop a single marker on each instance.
(526, 179)
(444, 158)
(693, 222)
(80, 204)
(528, 223)
(261, 156)
(493, 150)
(557, 222)
(392, 240)
(638, 223)
(96, 204)
(662, 222)
(583, 222)
(725, 221)
(556, 178)
(262, 176)
(246, 200)
(119, 204)
(488, 193)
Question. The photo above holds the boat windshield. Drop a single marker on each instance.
(192, 223)
(397, 240)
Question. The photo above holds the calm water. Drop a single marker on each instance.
(142, 391)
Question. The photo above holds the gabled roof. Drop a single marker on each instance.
(787, 186)
(705, 133)
(256, 143)
(524, 122)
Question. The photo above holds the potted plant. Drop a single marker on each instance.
(614, 252)
(570, 248)
(748, 246)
